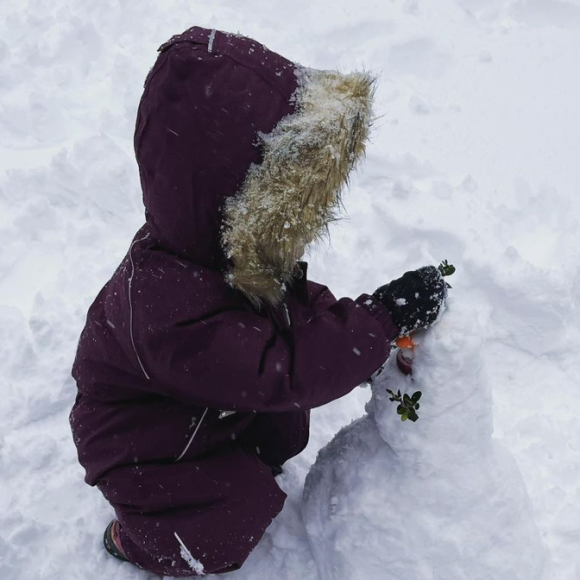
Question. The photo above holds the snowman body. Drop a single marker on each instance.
(438, 499)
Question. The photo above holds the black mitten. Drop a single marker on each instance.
(415, 299)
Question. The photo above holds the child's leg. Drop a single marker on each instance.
(276, 437)
(176, 566)
(212, 510)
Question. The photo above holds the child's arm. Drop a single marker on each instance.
(238, 360)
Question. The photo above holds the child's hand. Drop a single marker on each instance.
(415, 299)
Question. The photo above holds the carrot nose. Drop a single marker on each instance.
(405, 342)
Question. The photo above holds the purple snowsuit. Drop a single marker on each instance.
(203, 354)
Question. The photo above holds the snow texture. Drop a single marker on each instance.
(474, 159)
(194, 564)
(438, 498)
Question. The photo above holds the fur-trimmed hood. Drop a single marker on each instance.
(244, 154)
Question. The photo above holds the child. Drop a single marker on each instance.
(203, 354)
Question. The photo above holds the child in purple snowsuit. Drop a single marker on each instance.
(203, 354)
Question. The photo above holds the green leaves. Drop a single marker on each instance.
(408, 405)
(446, 268)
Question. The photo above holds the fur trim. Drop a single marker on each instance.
(289, 199)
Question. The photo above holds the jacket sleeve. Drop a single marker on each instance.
(239, 360)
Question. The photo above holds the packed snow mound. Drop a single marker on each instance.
(434, 499)
(456, 414)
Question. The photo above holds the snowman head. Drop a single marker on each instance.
(455, 415)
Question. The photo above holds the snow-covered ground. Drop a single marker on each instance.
(474, 159)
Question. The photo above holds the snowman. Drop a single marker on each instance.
(432, 499)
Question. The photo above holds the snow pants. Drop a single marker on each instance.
(210, 511)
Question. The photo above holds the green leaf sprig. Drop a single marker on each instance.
(446, 269)
(408, 405)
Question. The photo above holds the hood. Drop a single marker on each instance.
(243, 155)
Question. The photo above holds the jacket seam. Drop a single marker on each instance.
(255, 71)
(130, 287)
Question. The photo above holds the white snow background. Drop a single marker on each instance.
(475, 160)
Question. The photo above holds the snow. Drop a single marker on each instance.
(474, 160)
(194, 564)
(437, 498)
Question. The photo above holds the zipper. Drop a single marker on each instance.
(279, 315)
(287, 314)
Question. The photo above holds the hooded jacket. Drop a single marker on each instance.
(209, 333)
